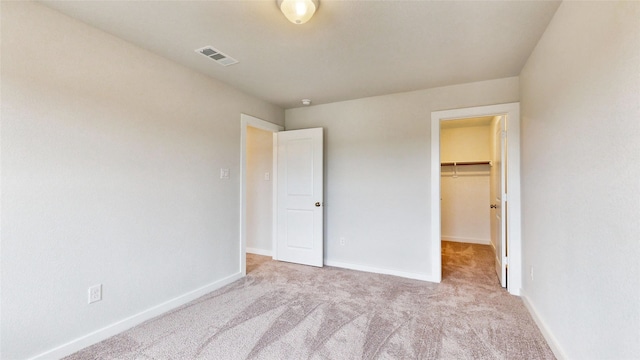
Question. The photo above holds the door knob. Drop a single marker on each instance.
(317, 204)
(493, 206)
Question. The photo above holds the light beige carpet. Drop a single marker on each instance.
(287, 311)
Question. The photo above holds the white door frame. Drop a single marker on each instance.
(512, 110)
(248, 120)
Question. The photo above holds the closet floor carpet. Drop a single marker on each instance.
(288, 311)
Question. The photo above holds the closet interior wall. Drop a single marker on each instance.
(465, 188)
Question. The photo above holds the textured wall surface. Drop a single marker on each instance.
(110, 174)
(580, 171)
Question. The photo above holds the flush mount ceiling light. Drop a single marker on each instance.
(298, 11)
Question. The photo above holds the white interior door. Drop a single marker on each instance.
(498, 198)
(299, 222)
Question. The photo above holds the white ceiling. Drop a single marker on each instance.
(348, 50)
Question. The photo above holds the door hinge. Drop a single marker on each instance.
(504, 197)
(503, 134)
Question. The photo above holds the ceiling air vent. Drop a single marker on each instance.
(213, 54)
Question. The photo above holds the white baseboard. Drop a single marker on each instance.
(544, 329)
(257, 251)
(127, 323)
(466, 240)
(404, 274)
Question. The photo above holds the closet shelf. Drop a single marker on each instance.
(465, 163)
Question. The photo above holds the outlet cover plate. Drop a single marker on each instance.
(95, 293)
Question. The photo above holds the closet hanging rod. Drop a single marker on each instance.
(465, 163)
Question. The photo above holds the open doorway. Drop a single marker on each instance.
(477, 168)
(257, 189)
(296, 202)
(259, 200)
(465, 153)
(471, 188)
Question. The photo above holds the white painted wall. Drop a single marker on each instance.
(110, 174)
(581, 194)
(465, 192)
(465, 144)
(259, 191)
(377, 172)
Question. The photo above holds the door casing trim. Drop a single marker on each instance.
(514, 237)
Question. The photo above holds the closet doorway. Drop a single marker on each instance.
(466, 158)
(469, 199)
(471, 186)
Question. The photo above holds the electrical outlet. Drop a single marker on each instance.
(95, 293)
(343, 241)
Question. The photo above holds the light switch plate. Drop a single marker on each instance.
(224, 173)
